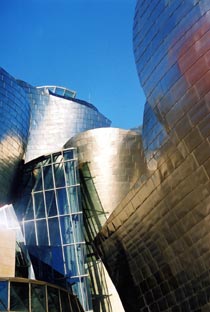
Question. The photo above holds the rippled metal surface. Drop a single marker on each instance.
(55, 119)
(112, 157)
(14, 125)
(156, 243)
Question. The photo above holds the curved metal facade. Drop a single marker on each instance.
(112, 157)
(156, 243)
(14, 121)
(55, 119)
(109, 162)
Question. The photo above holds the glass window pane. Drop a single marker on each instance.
(68, 94)
(19, 297)
(77, 222)
(65, 301)
(59, 91)
(68, 154)
(37, 174)
(74, 305)
(57, 157)
(59, 175)
(38, 302)
(53, 300)
(73, 199)
(29, 210)
(67, 230)
(39, 205)
(57, 260)
(42, 259)
(42, 232)
(50, 203)
(80, 249)
(71, 261)
(3, 295)
(46, 161)
(54, 231)
(62, 201)
(48, 178)
(30, 233)
(70, 173)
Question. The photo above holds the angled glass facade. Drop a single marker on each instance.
(50, 213)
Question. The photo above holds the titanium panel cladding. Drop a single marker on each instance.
(14, 121)
(156, 243)
(113, 158)
(55, 119)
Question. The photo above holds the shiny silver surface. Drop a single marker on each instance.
(156, 242)
(14, 126)
(55, 119)
(110, 163)
(112, 156)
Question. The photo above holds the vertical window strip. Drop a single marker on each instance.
(45, 207)
(84, 300)
(34, 212)
(61, 237)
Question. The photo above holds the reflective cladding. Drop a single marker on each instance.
(55, 119)
(112, 157)
(30, 295)
(50, 213)
(156, 243)
(110, 163)
(14, 121)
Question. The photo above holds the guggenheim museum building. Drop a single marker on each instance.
(101, 219)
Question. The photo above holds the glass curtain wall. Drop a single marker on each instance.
(28, 295)
(52, 222)
(94, 218)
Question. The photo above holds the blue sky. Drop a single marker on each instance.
(84, 45)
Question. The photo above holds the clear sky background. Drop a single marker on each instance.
(83, 45)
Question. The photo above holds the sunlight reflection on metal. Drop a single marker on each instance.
(55, 119)
(14, 121)
(156, 242)
(114, 159)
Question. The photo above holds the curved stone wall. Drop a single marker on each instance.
(112, 157)
(55, 119)
(156, 243)
(14, 121)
